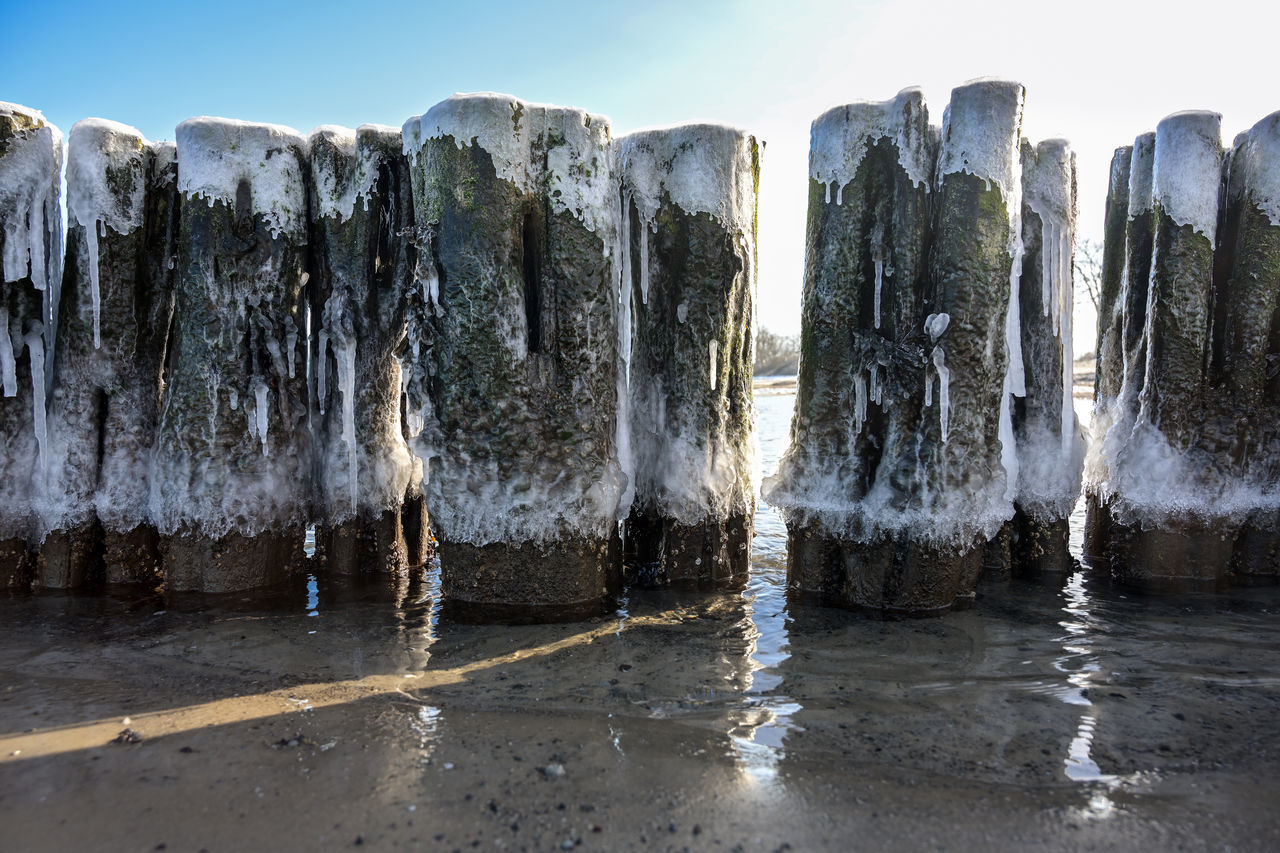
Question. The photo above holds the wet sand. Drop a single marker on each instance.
(1061, 715)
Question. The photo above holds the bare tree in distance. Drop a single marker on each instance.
(1087, 264)
(776, 355)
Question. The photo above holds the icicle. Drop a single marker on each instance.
(35, 348)
(95, 288)
(859, 400)
(1066, 335)
(260, 393)
(346, 352)
(879, 262)
(839, 195)
(1065, 291)
(213, 412)
(8, 366)
(322, 357)
(291, 342)
(35, 243)
(277, 357)
(624, 253)
(875, 383)
(1047, 267)
(306, 361)
(714, 347)
(827, 186)
(928, 388)
(431, 286)
(1015, 372)
(1008, 446)
(622, 428)
(944, 392)
(644, 264)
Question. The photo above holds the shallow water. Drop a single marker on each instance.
(1068, 716)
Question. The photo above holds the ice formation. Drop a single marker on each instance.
(944, 392)
(702, 168)
(341, 182)
(218, 156)
(692, 461)
(1141, 172)
(8, 367)
(840, 137)
(30, 189)
(574, 173)
(1188, 169)
(1257, 156)
(1143, 472)
(1049, 447)
(103, 158)
(361, 287)
(1049, 193)
(976, 140)
(236, 301)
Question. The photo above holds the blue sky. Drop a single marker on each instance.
(1096, 72)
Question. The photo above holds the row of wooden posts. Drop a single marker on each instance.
(502, 319)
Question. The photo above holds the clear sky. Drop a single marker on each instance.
(1098, 73)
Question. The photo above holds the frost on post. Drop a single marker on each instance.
(903, 463)
(361, 213)
(687, 268)
(1185, 477)
(231, 480)
(31, 253)
(513, 205)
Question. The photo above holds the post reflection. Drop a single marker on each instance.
(1080, 664)
(758, 730)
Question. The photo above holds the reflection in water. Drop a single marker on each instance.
(759, 731)
(425, 723)
(1079, 664)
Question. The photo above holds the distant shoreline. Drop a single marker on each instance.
(770, 385)
(765, 386)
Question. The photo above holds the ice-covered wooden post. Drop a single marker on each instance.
(1109, 353)
(849, 475)
(117, 299)
(1163, 472)
(31, 251)
(361, 211)
(231, 478)
(1248, 285)
(1188, 468)
(1050, 446)
(902, 464)
(514, 205)
(971, 471)
(688, 271)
